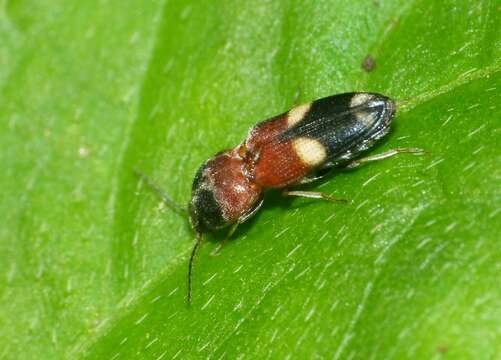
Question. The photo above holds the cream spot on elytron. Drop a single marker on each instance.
(359, 99)
(310, 151)
(367, 117)
(297, 114)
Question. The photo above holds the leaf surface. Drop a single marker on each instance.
(95, 265)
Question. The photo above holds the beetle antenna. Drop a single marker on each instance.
(190, 265)
(165, 198)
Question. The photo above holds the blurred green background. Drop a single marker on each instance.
(94, 266)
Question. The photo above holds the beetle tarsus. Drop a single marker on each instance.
(314, 195)
(385, 155)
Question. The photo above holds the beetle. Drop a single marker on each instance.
(290, 149)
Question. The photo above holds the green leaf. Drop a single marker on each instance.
(94, 265)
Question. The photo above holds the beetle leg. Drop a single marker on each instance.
(227, 238)
(385, 155)
(234, 226)
(313, 195)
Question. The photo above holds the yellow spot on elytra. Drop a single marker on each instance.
(367, 117)
(359, 99)
(297, 114)
(310, 151)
